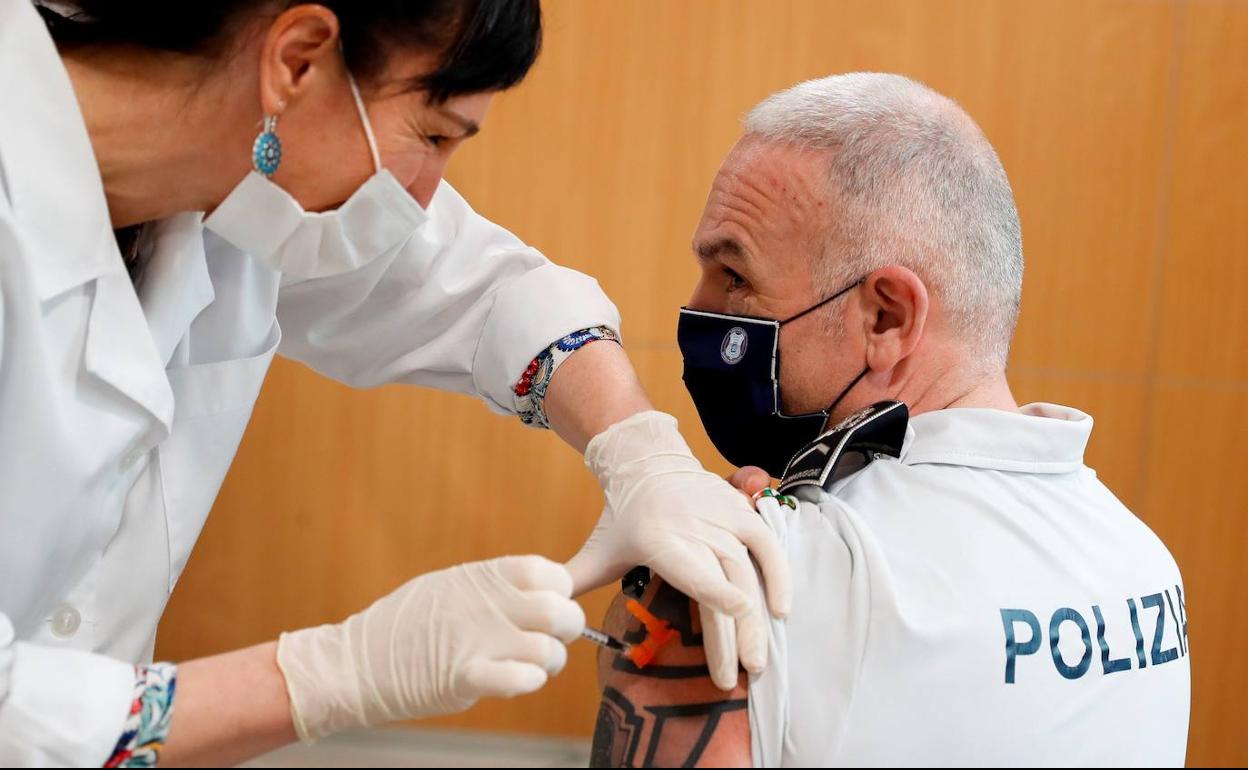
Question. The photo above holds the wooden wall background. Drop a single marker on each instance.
(1124, 127)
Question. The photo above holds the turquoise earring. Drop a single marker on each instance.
(266, 153)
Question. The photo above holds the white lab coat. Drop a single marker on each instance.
(909, 574)
(122, 403)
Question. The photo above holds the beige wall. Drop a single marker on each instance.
(1124, 127)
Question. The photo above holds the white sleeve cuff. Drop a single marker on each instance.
(63, 707)
(529, 313)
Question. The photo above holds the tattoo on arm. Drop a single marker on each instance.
(617, 736)
(668, 714)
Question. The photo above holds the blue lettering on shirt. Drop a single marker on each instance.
(1023, 635)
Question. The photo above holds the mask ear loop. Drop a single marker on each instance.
(845, 392)
(359, 107)
(850, 386)
(818, 305)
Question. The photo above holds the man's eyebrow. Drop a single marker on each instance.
(725, 249)
(470, 127)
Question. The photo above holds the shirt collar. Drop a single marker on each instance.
(1038, 438)
(50, 169)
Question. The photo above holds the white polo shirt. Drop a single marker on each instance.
(981, 600)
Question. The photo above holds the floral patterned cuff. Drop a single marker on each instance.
(147, 724)
(530, 391)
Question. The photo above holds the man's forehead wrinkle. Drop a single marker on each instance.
(765, 197)
(735, 197)
(729, 218)
(742, 217)
(756, 200)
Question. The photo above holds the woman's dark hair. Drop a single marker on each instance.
(483, 45)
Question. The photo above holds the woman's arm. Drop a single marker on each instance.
(465, 306)
(591, 391)
(434, 646)
(230, 708)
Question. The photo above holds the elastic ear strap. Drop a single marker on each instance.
(845, 392)
(818, 305)
(368, 128)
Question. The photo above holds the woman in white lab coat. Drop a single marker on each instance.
(159, 166)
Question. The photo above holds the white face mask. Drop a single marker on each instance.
(263, 220)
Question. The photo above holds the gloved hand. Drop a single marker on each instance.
(437, 644)
(666, 512)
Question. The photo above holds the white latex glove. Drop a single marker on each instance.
(665, 511)
(437, 644)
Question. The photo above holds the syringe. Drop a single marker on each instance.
(606, 640)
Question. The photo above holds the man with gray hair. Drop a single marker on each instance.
(966, 592)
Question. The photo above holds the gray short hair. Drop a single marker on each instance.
(916, 184)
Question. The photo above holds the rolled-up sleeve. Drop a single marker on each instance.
(59, 707)
(462, 305)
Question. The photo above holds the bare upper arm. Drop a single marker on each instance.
(668, 714)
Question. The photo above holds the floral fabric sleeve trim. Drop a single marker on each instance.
(147, 725)
(530, 391)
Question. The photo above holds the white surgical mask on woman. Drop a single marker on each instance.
(263, 220)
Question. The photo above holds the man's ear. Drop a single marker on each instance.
(896, 306)
(300, 43)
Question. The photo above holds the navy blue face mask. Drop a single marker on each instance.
(732, 371)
